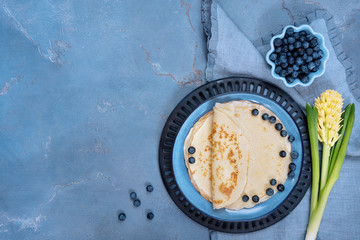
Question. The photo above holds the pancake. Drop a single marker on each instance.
(236, 154)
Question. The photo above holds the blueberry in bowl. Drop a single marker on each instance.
(297, 56)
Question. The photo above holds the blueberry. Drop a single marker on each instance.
(294, 155)
(290, 70)
(291, 60)
(133, 195)
(290, 79)
(280, 188)
(284, 41)
(283, 73)
(311, 66)
(309, 36)
(291, 40)
(304, 69)
(302, 39)
(297, 44)
(255, 112)
(301, 51)
(291, 138)
(321, 53)
(290, 31)
(272, 182)
(272, 119)
(191, 150)
(291, 47)
(149, 188)
(255, 198)
(284, 65)
(122, 216)
(245, 198)
(265, 116)
(314, 42)
(316, 48)
(137, 203)
(191, 160)
(291, 174)
(278, 126)
(150, 215)
(295, 74)
(282, 153)
(295, 54)
(277, 62)
(305, 45)
(302, 33)
(309, 51)
(304, 57)
(299, 61)
(315, 55)
(305, 79)
(296, 35)
(277, 42)
(317, 62)
(269, 191)
(295, 67)
(315, 69)
(283, 59)
(292, 166)
(278, 69)
(285, 49)
(273, 57)
(283, 133)
(308, 59)
(278, 49)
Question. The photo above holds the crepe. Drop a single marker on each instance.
(237, 154)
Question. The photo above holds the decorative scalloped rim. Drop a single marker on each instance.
(187, 106)
(312, 75)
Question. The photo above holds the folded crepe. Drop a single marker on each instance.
(236, 154)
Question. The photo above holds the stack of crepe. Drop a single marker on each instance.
(237, 154)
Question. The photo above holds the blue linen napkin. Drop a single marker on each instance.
(231, 53)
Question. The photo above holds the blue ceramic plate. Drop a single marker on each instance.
(182, 176)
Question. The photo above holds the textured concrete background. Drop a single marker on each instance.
(85, 89)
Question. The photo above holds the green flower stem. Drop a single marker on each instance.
(324, 164)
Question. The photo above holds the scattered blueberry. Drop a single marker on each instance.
(122, 216)
(255, 112)
(297, 44)
(191, 150)
(291, 60)
(272, 119)
(265, 116)
(305, 79)
(133, 195)
(315, 69)
(295, 74)
(283, 59)
(272, 182)
(292, 166)
(284, 41)
(289, 70)
(245, 198)
(296, 67)
(294, 155)
(302, 33)
(255, 198)
(291, 138)
(316, 48)
(285, 49)
(309, 36)
(317, 62)
(291, 47)
(269, 191)
(296, 35)
(304, 69)
(311, 66)
(283, 133)
(291, 174)
(290, 31)
(278, 126)
(289, 54)
(294, 54)
(137, 203)
(277, 42)
(191, 160)
(315, 55)
(321, 53)
(301, 51)
(149, 188)
(314, 42)
(277, 62)
(150, 215)
(282, 153)
(290, 79)
(284, 65)
(291, 40)
(278, 69)
(283, 73)
(280, 188)
(278, 49)
(299, 61)
(304, 57)
(302, 39)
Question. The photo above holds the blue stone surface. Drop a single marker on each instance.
(85, 89)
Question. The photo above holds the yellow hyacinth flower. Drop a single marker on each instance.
(329, 107)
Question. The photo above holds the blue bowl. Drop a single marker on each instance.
(312, 75)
